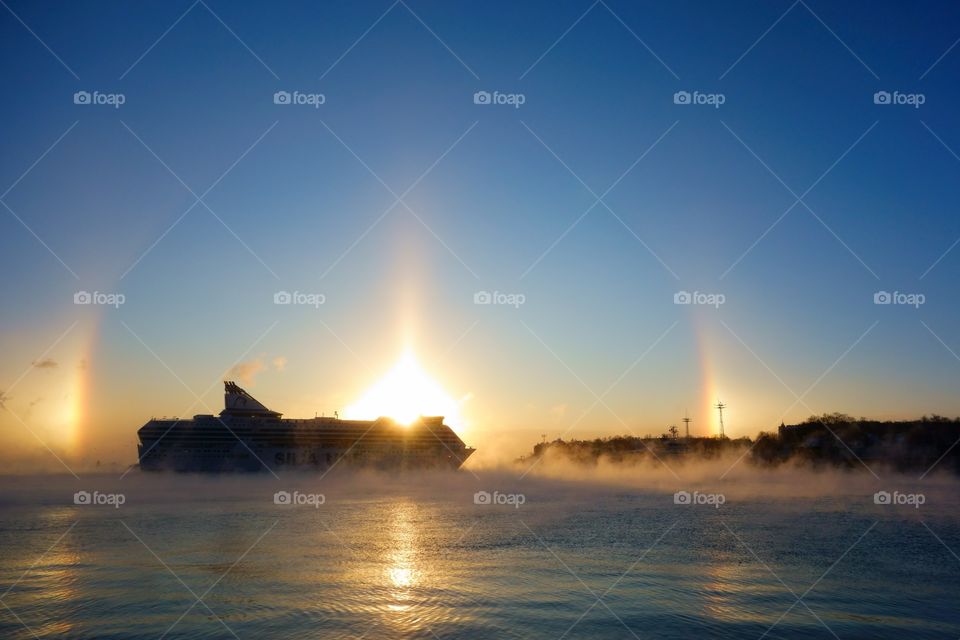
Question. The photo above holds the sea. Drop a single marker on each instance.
(479, 554)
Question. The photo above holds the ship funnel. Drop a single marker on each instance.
(238, 402)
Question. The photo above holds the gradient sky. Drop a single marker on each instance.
(99, 199)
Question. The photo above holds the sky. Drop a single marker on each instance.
(517, 198)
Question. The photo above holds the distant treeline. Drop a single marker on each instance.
(839, 439)
(827, 440)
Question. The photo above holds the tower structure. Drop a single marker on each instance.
(720, 407)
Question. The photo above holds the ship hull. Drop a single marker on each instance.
(211, 444)
(258, 460)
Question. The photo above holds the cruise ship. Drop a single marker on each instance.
(247, 436)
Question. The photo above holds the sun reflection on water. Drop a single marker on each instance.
(55, 572)
(726, 584)
(401, 572)
(401, 576)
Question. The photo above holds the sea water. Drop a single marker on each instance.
(472, 555)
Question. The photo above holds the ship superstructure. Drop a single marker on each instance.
(247, 436)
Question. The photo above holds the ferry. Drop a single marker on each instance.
(247, 436)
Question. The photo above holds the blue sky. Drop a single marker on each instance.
(298, 193)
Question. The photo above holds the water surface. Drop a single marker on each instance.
(415, 557)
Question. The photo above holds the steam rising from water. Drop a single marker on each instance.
(549, 480)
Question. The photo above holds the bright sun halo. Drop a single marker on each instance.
(405, 393)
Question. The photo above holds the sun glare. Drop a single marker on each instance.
(405, 393)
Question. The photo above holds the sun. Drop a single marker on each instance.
(405, 393)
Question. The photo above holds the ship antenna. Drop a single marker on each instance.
(720, 407)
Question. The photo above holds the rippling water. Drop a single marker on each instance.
(189, 557)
